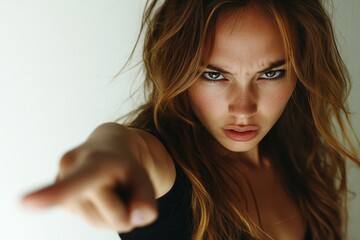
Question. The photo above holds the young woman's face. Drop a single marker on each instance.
(245, 86)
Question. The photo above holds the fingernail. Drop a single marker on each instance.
(137, 217)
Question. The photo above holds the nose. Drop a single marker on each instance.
(242, 102)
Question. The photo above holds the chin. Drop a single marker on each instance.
(241, 146)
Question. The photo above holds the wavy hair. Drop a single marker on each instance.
(315, 123)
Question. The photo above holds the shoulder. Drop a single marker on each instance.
(157, 161)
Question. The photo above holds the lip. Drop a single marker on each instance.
(241, 133)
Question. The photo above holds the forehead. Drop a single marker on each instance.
(246, 37)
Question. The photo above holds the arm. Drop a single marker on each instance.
(113, 159)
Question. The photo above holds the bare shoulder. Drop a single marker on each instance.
(157, 162)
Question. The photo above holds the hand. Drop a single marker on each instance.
(109, 189)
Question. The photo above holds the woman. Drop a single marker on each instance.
(236, 139)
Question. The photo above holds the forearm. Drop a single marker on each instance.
(115, 137)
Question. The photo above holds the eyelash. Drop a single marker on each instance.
(205, 76)
(279, 74)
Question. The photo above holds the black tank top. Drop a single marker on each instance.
(175, 215)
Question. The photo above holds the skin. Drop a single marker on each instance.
(89, 175)
(114, 155)
(241, 86)
(244, 46)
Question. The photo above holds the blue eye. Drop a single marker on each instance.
(273, 74)
(212, 76)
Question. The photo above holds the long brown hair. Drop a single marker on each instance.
(178, 38)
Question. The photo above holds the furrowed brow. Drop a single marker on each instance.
(218, 69)
(269, 67)
(274, 65)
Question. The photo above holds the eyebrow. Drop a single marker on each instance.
(269, 67)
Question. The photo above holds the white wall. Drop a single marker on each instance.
(57, 59)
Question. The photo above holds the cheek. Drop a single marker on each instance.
(196, 100)
(204, 102)
(275, 104)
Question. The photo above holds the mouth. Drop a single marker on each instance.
(242, 133)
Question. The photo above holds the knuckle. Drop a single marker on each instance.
(118, 219)
(93, 155)
(68, 159)
(80, 154)
(93, 222)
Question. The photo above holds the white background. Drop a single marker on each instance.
(57, 60)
